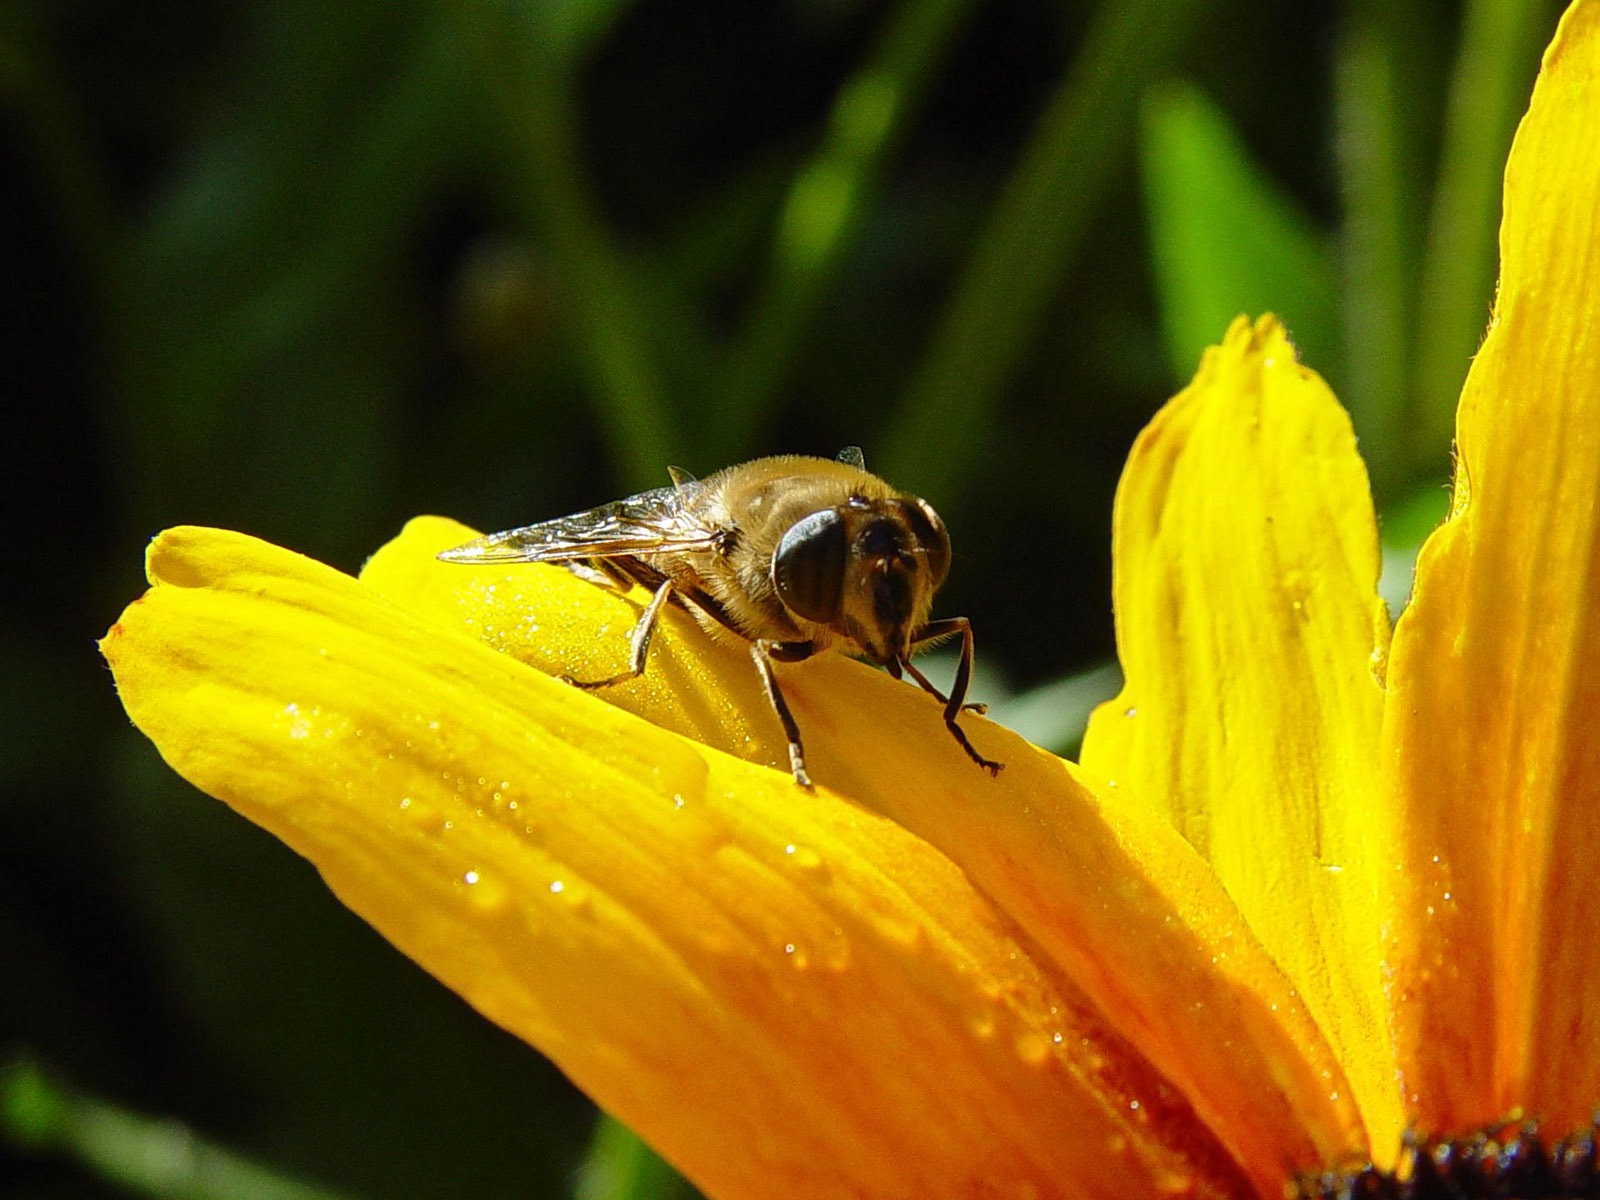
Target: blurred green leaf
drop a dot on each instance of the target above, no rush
(1055, 714)
(1225, 239)
(574, 28)
(1405, 526)
(1417, 514)
(147, 1156)
(621, 1167)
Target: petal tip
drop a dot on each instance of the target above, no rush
(175, 555)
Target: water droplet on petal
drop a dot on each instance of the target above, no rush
(803, 857)
(1033, 1047)
(982, 1024)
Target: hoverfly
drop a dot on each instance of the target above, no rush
(795, 555)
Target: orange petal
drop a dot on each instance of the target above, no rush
(1492, 731)
(1101, 885)
(1249, 628)
(784, 993)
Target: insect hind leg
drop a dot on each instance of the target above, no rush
(638, 643)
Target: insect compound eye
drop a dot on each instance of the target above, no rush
(808, 566)
(931, 536)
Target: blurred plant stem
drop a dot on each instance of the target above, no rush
(146, 1156)
(822, 212)
(530, 60)
(1021, 256)
(1376, 147)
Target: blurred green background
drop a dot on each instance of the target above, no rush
(307, 269)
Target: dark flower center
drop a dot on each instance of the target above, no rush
(1505, 1162)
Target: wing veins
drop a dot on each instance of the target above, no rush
(652, 522)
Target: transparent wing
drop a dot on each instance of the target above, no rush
(651, 522)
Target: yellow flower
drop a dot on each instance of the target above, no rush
(1311, 883)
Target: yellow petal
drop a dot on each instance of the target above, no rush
(1103, 886)
(786, 994)
(1249, 627)
(549, 618)
(1493, 726)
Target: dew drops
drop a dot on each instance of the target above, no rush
(486, 894)
(802, 857)
(901, 931)
(299, 726)
(836, 952)
(1033, 1047)
(557, 887)
(1174, 1183)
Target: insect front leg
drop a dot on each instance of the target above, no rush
(638, 643)
(954, 704)
(897, 665)
(764, 652)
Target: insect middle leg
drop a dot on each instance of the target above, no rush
(638, 643)
(955, 702)
(764, 652)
